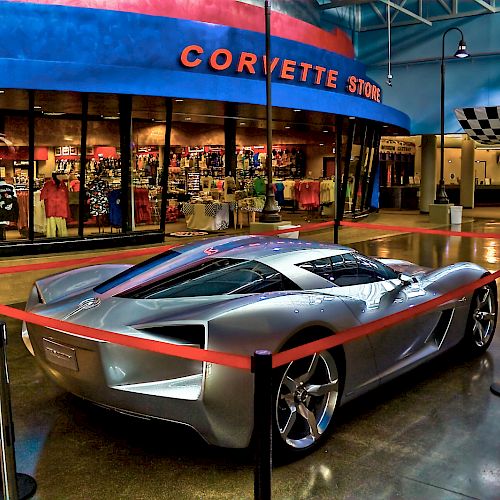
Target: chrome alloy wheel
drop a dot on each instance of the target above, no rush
(306, 399)
(483, 316)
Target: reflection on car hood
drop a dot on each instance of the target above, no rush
(405, 267)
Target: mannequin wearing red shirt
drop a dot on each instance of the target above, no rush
(55, 196)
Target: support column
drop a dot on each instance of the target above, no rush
(83, 163)
(125, 106)
(467, 181)
(230, 145)
(428, 172)
(166, 162)
(31, 165)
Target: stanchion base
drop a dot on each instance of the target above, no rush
(26, 486)
(495, 388)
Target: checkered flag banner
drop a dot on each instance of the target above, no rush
(481, 124)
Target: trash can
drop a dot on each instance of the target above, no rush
(456, 214)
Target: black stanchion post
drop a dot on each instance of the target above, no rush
(495, 388)
(14, 486)
(9, 481)
(263, 422)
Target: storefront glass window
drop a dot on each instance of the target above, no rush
(14, 165)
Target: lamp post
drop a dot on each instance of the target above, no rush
(461, 52)
(270, 212)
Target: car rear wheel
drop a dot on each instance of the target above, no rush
(482, 320)
(307, 394)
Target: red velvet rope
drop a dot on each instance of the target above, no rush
(241, 361)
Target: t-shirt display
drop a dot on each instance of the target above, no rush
(98, 193)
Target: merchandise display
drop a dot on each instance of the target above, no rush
(219, 287)
(9, 208)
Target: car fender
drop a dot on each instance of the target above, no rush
(75, 281)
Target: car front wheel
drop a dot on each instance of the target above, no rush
(482, 320)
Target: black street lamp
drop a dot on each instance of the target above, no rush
(461, 52)
(270, 212)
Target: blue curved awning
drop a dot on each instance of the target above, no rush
(51, 47)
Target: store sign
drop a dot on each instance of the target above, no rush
(249, 63)
(363, 88)
(398, 147)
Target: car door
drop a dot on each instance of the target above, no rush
(399, 347)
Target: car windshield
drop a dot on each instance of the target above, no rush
(216, 276)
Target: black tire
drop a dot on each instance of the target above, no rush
(482, 320)
(306, 396)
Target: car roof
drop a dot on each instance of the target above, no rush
(266, 249)
(279, 253)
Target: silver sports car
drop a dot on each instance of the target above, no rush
(237, 295)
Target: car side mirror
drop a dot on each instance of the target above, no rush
(405, 279)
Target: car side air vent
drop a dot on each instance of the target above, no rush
(439, 333)
(184, 334)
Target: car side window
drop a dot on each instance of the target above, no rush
(349, 269)
(346, 270)
(373, 270)
(218, 277)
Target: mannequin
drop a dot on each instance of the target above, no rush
(55, 196)
(9, 209)
(229, 188)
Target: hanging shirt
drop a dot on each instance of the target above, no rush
(98, 194)
(115, 208)
(279, 193)
(56, 199)
(259, 185)
(9, 209)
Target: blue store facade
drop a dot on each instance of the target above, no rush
(118, 95)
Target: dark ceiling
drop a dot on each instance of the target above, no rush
(64, 105)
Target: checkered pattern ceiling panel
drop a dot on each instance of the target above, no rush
(481, 124)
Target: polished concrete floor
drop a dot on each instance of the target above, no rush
(432, 434)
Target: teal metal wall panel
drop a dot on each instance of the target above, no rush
(416, 54)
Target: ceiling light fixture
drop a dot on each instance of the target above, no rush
(297, 110)
(179, 100)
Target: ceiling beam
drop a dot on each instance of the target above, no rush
(486, 5)
(445, 6)
(408, 12)
(377, 11)
(401, 4)
(342, 3)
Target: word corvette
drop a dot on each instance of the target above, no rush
(250, 63)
